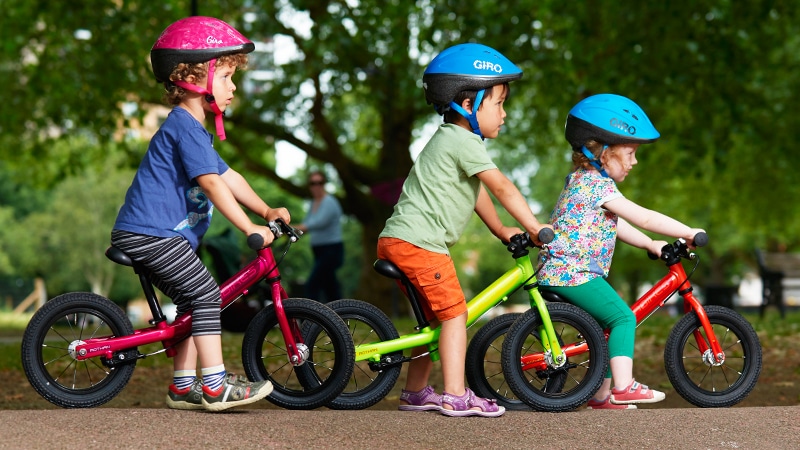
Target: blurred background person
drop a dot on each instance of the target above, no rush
(324, 224)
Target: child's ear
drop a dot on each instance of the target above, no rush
(467, 105)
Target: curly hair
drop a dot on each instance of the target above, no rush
(579, 160)
(175, 94)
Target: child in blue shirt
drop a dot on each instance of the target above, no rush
(168, 207)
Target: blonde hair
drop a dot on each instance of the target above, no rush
(174, 94)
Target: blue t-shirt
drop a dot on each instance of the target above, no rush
(164, 199)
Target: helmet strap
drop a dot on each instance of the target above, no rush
(471, 118)
(595, 161)
(209, 96)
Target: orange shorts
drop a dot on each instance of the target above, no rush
(433, 274)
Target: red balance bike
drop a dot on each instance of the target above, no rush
(712, 356)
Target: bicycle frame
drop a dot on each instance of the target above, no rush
(522, 274)
(264, 266)
(675, 280)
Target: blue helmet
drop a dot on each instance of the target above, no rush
(608, 119)
(465, 67)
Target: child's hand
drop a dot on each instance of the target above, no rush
(264, 232)
(534, 234)
(655, 247)
(278, 213)
(690, 238)
(506, 233)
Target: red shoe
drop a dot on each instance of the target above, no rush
(606, 404)
(635, 393)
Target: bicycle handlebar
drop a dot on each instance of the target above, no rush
(278, 228)
(546, 235)
(700, 239)
(680, 249)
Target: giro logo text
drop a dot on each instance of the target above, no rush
(486, 65)
(630, 129)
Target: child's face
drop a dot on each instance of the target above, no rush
(620, 160)
(223, 85)
(491, 112)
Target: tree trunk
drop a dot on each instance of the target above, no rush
(375, 288)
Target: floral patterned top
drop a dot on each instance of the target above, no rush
(585, 232)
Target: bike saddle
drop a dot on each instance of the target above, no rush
(388, 269)
(118, 256)
(553, 297)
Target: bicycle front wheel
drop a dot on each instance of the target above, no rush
(543, 385)
(330, 354)
(696, 376)
(49, 360)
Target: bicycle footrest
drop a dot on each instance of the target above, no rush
(387, 362)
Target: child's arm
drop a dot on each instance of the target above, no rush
(485, 209)
(512, 200)
(632, 236)
(247, 197)
(649, 220)
(224, 201)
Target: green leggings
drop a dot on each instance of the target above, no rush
(602, 302)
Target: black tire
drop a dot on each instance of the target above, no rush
(484, 366)
(556, 389)
(331, 353)
(53, 372)
(367, 323)
(691, 373)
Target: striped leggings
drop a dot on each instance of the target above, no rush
(177, 271)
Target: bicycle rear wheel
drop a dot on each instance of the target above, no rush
(484, 366)
(366, 387)
(48, 357)
(546, 387)
(696, 377)
(331, 354)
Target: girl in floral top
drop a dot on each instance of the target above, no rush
(605, 131)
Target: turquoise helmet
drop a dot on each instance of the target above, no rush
(608, 119)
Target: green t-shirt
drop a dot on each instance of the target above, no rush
(441, 190)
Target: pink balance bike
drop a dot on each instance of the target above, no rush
(80, 349)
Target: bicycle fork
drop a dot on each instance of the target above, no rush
(554, 355)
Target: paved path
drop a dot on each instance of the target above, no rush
(685, 429)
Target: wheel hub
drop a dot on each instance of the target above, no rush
(304, 352)
(710, 360)
(73, 346)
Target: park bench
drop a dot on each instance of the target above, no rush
(779, 272)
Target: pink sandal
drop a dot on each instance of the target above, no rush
(606, 404)
(425, 400)
(635, 393)
(462, 406)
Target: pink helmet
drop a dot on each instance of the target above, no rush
(197, 39)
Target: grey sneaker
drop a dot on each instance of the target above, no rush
(188, 399)
(235, 391)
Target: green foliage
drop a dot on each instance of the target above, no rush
(715, 76)
(65, 240)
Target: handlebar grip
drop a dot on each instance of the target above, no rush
(255, 241)
(700, 239)
(546, 235)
